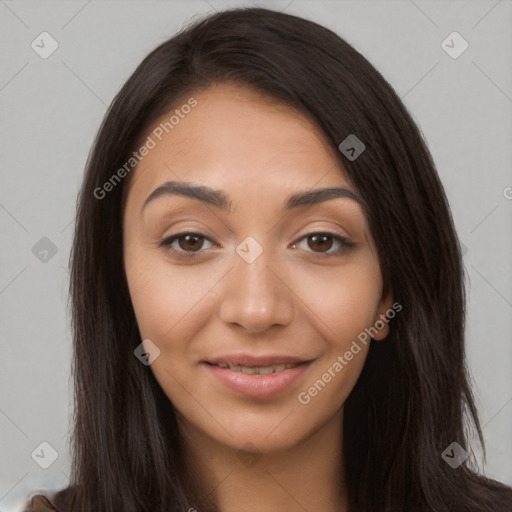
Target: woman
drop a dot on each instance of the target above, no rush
(268, 294)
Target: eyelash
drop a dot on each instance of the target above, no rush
(344, 244)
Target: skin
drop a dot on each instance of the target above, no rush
(293, 299)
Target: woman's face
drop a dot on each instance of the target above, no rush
(238, 271)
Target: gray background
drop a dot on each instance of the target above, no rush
(51, 109)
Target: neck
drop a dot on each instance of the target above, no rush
(309, 476)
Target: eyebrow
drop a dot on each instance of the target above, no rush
(220, 200)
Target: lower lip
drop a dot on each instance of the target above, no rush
(258, 386)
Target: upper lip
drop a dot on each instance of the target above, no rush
(250, 360)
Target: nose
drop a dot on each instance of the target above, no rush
(256, 297)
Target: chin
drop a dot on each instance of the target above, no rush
(264, 432)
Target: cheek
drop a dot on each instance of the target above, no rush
(341, 302)
(170, 302)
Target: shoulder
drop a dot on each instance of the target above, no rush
(41, 502)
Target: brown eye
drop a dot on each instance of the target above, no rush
(186, 243)
(324, 244)
(320, 242)
(190, 242)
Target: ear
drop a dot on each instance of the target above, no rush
(380, 317)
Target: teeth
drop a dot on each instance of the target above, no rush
(260, 370)
(248, 370)
(267, 370)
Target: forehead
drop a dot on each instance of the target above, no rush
(239, 139)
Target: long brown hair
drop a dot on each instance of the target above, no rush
(412, 399)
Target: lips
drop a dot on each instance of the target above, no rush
(251, 361)
(257, 370)
(257, 376)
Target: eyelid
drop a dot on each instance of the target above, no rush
(344, 242)
(166, 243)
